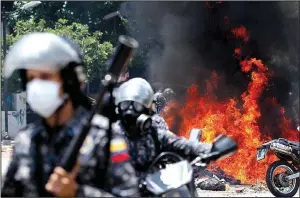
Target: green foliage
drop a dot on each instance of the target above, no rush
(81, 21)
(96, 52)
(90, 13)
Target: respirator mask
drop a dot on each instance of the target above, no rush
(135, 121)
(43, 96)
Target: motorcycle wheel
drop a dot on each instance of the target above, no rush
(271, 183)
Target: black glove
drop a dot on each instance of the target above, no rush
(143, 188)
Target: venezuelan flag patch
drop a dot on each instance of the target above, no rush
(119, 150)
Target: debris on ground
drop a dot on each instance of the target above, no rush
(212, 184)
(218, 173)
(201, 179)
(259, 187)
(215, 179)
(255, 188)
(240, 190)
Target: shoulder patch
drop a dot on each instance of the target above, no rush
(87, 145)
(119, 150)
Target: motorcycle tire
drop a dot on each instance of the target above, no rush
(269, 174)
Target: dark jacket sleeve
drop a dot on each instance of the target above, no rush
(180, 145)
(159, 122)
(123, 177)
(11, 186)
(90, 191)
(121, 180)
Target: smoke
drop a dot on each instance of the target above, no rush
(186, 41)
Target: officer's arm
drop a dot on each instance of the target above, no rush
(122, 180)
(180, 145)
(11, 186)
(159, 122)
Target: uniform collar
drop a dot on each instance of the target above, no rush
(76, 121)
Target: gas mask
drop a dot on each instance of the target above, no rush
(133, 118)
(43, 96)
(144, 123)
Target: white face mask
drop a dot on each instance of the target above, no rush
(43, 96)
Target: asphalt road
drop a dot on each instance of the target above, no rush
(233, 193)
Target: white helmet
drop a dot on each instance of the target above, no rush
(137, 90)
(40, 51)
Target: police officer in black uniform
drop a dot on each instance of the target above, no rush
(159, 102)
(134, 99)
(168, 94)
(50, 69)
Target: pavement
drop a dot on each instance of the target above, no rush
(232, 194)
(232, 191)
(235, 191)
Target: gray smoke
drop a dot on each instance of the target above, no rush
(167, 31)
(186, 41)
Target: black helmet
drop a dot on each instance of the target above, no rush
(168, 93)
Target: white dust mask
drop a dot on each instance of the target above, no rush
(43, 96)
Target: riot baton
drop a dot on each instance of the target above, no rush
(120, 59)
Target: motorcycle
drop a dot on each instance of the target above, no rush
(175, 177)
(284, 183)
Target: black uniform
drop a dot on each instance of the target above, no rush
(38, 151)
(160, 102)
(159, 122)
(145, 149)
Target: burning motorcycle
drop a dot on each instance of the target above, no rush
(282, 176)
(175, 177)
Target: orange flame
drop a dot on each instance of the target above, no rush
(227, 117)
(241, 32)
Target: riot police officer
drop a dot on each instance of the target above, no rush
(133, 100)
(168, 94)
(51, 72)
(159, 102)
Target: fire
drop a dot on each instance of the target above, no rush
(216, 117)
(241, 32)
